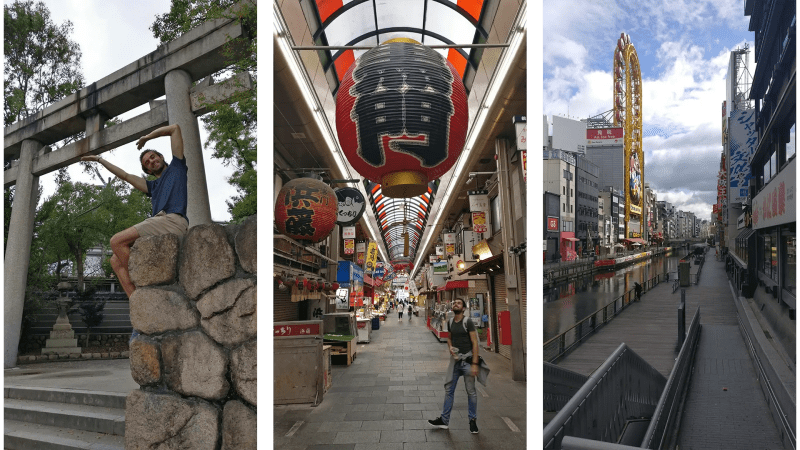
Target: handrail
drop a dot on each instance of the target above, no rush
(589, 415)
(558, 345)
(664, 416)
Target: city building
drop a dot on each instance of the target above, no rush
(773, 195)
(586, 212)
(559, 178)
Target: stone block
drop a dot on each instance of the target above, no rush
(228, 312)
(244, 371)
(154, 260)
(145, 361)
(247, 244)
(207, 258)
(74, 356)
(238, 427)
(126, 354)
(114, 354)
(86, 355)
(157, 310)
(168, 422)
(195, 365)
(96, 355)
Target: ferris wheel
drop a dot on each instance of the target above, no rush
(628, 115)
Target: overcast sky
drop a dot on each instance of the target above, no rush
(113, 34)
(683, 48)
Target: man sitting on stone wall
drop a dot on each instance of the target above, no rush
(168, 194)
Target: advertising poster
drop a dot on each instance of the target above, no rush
(348, 232)
(552, 224)
(440, 267)
(743, 139)
(479, 222)
(482, 250)
(349, 246)
(449, 243)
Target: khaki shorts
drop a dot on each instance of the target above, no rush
(163, 223)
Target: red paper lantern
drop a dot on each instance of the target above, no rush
(335, 285)
(402, 116)
(306, 210)
(301, 283)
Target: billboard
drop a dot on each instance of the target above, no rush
(600, 136)
(775, 204)
(569, 135)
(743, 139)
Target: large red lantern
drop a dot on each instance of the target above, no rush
(401, 116)
(306, 210)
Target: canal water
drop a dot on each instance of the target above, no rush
(568, 302)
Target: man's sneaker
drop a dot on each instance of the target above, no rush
(473, 427)
(438, 422)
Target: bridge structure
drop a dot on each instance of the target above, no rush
(171, 70)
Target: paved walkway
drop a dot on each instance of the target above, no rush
(713, 418)
(725, 407)
(385, 398)
(90, 375)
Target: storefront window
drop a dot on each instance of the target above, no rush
(790, 250)
(791, 145)
(497, 223)
(770, 249)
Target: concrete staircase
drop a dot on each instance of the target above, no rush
(63, 419)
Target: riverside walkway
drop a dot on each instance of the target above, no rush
(396, 383)
(724, 407)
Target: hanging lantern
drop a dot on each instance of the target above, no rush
(335, 286)
(401, 116)
(306, 210)
(301, 283)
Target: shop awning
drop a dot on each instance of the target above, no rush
(489, 265)
(744, 235)
(570, 239)
(637, 241)
(460, 284)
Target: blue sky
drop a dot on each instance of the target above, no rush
(683, 49)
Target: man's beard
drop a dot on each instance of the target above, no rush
(158, 172)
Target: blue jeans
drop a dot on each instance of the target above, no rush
(461, 368)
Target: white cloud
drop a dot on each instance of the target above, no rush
(112, 35)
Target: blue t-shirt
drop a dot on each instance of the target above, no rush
(168, 192)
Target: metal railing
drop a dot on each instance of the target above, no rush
(664, 417)
(560, 385)
(563, 343)
(624, 385)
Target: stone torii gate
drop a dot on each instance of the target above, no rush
(170, 69)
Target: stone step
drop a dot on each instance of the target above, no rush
(30, 436)
(71, 396)
(77, 417)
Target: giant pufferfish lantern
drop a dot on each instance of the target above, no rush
(402, 116)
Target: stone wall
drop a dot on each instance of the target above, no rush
(195, 359)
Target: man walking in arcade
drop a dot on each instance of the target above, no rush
(463, 344)
(168, 193)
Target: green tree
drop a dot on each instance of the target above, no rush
(79, 216)
(41, 64)
(232, 125)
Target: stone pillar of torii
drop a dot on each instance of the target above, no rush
(169, 70)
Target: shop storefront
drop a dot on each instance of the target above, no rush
(776, 243)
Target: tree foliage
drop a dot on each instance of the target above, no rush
(232, 125)
(79, 216)
(41, 65)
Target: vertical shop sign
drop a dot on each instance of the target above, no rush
(743, 139)
(372, 257)
(348, 232)
(361, 250)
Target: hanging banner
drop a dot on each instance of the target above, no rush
(743, 139)
(449, 243)
(479, 222)
(372, 257)
(525, 166)
(348, 232)
(349, 246)
(351, 205)
(439, 250)
(433, 258)
(521, 129)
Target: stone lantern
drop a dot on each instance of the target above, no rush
(62, 339)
